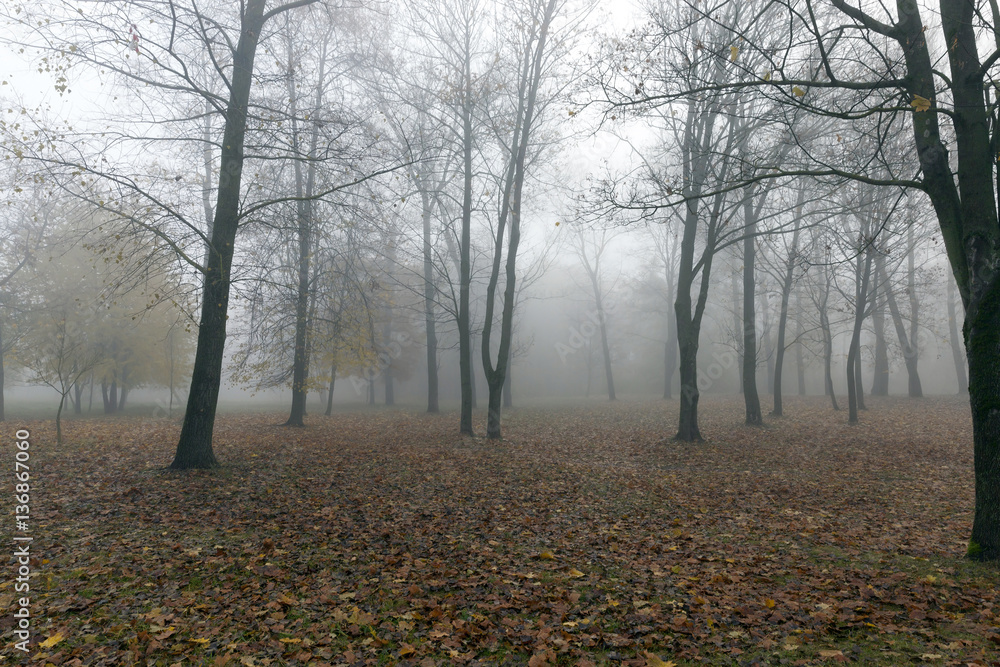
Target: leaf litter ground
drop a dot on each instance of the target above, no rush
(382, 537)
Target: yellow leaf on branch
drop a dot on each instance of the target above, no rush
(920, 103)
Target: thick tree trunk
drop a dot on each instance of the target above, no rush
(957, 353)
(982, 342)
(194, 448)
(122, 398)
(687, 339)
(751, 399)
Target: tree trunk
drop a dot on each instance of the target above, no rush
(113, 398)
(2, 408)
(590, 367)
(751, 399)
(62, 402)
(508, 397)
(304, 186)
(104, 396)
(78, 398)
(768, 351)
(687, 340)
(603, 325)
(824, 323)
(860, 386)
(863, 271)
(880, 383)
(194, 448)
(329, 393)
(957, 354)
(800, 367)
(910, 355)
(472, 375)
(786, 292)
(670, 347)
(430, 323)
(915, 390)
(511, 206)
(738, 340)
(122, 399)
(464, 326)
(387, 342)
(982, 341)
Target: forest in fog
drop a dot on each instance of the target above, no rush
(477, 332)
(467, 202)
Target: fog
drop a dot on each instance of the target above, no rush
(620, 228)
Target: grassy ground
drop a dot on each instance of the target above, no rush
(382, 537)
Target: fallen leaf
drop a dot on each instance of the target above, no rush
(653, 660)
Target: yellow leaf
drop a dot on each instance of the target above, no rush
(547, 555)
(283, 640)
(406, 650)
(798, 91)
(204, 641)
(653, 660)
(920, 103)
(767, 76)
(733, 53)
(575, 573)
(51, 641)
(769, 603)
